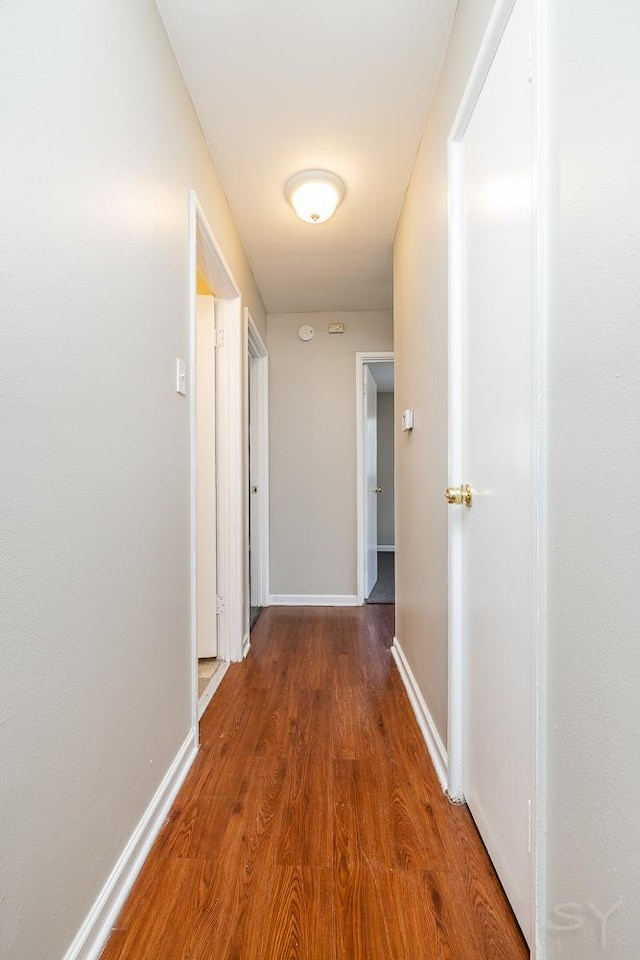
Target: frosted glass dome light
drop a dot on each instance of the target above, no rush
(315, 194)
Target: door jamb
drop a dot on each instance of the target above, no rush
(363, 360)
(204, 253)
(488, 48)
(256, 349)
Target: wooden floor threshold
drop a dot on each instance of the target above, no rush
(312, 825)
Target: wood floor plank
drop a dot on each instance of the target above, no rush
(300, 911)
(159, 929)
(370, 920)
(306, 821)
(363, 802)
(312, 825)
(345, 728)
(422, 925)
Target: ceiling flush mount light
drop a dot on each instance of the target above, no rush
(315, 194)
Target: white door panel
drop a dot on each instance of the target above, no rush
(498, 461)
(206, 492)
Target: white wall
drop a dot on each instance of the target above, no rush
(100, 146)
(420, 340)
(313, 449)
(594, 458)
(386, 526)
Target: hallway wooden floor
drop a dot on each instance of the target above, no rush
(312, 826)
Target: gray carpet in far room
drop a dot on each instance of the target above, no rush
(384, 590)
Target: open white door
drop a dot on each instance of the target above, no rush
(254, 491)
(206, 491)
(258, 470)
(494, 415)
(371, 468)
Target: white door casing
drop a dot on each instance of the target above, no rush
(493, 447)
(206, 490)
(254, 490)
(205, 255)
(371, 454)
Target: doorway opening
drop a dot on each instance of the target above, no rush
(216, 455)
(375, 473)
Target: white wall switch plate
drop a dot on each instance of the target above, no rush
(407, 420)
(181, 377)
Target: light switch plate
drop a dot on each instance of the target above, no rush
(181, 377)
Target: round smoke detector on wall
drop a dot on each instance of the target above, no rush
(306, 333)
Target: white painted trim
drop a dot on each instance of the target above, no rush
(363, 360)
(387, 548)
(486, 54)
(193, 446)
(313, 600)
(257, 350)
(231, 486)
(454, 518)
(540, 47)
(435, 746)
(255, 344)
(207, 694)
(89, 942)
(488, 49)
(246, 498)
(246, 646)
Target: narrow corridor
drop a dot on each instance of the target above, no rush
(311, 824)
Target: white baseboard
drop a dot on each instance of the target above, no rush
(428, 728)
(386, 548)
(205, 699)
(246, 645)
(94, 932)
(313, 600)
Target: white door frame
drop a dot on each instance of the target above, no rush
(486, 54)
(205, 254)
(258, 401)
(363, 360)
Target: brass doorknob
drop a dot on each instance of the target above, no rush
(462, 494)
(379, 490)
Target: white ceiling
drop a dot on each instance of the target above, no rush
(285, 85)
